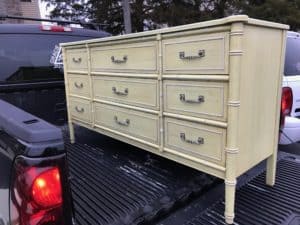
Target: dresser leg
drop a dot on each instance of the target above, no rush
(271, 169)
(229, 201)
(72, 133)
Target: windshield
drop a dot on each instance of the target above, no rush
(27, 57)
(292, 57)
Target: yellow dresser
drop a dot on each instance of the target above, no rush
(206, 95)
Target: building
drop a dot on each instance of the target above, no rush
(26, 8)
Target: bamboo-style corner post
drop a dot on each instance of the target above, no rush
(235, 54)
(272, 160)
(271, 169)
(91, 83)
(70, 124)
(160, 92)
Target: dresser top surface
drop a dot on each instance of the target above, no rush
(206, 24)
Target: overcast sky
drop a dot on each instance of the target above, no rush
(44, 11)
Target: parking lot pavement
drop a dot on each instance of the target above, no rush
(291, 148)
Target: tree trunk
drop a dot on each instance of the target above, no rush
(127, 17)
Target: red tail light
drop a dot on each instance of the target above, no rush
(55, 28)
(36, 194)
(286, 103)
(46, 189)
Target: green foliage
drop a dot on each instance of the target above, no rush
(153, 14)
(69, 9)
(282, 11)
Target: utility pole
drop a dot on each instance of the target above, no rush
(127, 17)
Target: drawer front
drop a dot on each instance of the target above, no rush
(194, 139)
(80, 109)
(79, 85)
(138, 124)
(197, 54)
(77, 59)
(199, 99)
(125, 58)
(138, 92)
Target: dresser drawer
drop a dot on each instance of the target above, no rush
(80, 109)
(137, 92)
(199, 99)
(196, 54)
(139, 57)
(77, 59)
(138, 124)
(194, 139)
(79, 85)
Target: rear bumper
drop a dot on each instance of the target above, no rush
(291, 131)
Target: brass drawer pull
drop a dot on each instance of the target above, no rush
(78, 85)
(119, 61)
(115, 91)
(125, 123)
(199, 100)
(201, 54)
(78, 60)
(200, 140)
(79, 110)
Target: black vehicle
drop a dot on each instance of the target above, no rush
(33, 174)
(45, 180)
(31, 73)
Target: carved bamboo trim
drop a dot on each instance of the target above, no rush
(230, 182)
(91, 85)
(85, 72)
(234, 103)
(134, 75)
(161, 97)
(197, 77)
(236, 52)
(128, 136)
(198, 120)
(233, 119)
(67, 90)
(127, 106)
(198, 160)
(237, 33)
(232, 150)
(79, 96)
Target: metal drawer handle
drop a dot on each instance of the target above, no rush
(78, 60)
(78, 85)
(114, 89)
(118, 61)
(201, 54)
(199, 100)
(125, 123)
(79, 110)
(199, 141)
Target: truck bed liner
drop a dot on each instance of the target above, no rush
(115, 183)
(256, 203)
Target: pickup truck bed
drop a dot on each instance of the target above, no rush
(256, 203)
(115, 183)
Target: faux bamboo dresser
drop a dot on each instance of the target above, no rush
(206, 95)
